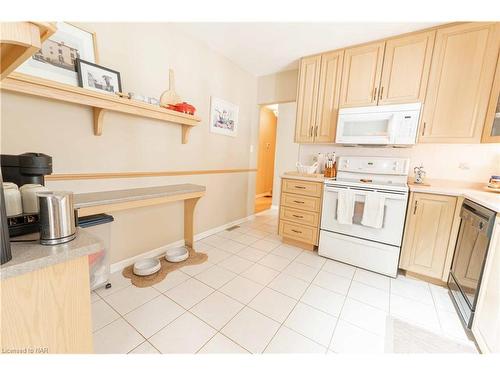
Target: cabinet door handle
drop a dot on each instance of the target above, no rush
(298, 216)
(375, 93)
(423, 128)
(316, 131)
(301, 202)
(296, 231)
(381, 93)
(299, 187)
(311, 131)
(415, 209)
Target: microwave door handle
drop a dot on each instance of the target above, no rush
(392, 129)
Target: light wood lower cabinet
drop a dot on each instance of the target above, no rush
(300, 212)
(428, 236)
(486, 324)
(47, 310)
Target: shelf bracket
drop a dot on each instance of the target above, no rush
(98, 120)
(185, 133)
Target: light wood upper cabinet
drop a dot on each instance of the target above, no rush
(307, 98)
(486, 323)
(405, 72)
(460, 81)
(491, 132)
(328, 97)
(429, 222)
(361, 75)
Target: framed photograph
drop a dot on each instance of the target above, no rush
(98, 78)
(56, 60)
(223, 117)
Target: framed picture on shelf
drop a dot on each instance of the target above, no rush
(56, 60)
(223, 117)
(98, 78)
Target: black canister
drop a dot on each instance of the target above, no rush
(5, 253)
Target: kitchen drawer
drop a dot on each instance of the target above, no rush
(300, 216)
(298, 232)
(301, 202)
(312, 189)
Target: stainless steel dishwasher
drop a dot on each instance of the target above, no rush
(471, 249)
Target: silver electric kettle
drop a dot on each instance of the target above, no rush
(57, 217)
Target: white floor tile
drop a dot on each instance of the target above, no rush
(442, 299)
(257, 232)
(231, 246)
(413, 289)
(273, 236)
(371, 296)
(323, 299)
(154, 315)
(348, 338)
(246, 239)
(275, 262)
(196, 268)
(286, 251)
(252, 254)
(364, 316)
(301, 271)
(102, 315)
(145, 348)
(452, 326)
(414, 312)
(131, 297)
(242, 289)
(311, 258)
(215, 276)
(265, 245)
(186, 334)
(332, 282)
(116, 338)
(217, 309)
(339, 269)
(312, 323)
(273, 304)
(251, 330)
(268, 228)
(373, 279)
(236, 264)
(171, 280)
(214, 240)
(260, 274)
(94, 297)
(288, 341)
(189, 293)
(289, 285)
(117, 281)
(216, 255)
(220, 344)
(202, 246)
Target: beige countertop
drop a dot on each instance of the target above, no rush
(31, 256)
(316, 177)
(120, 196)
(474, 191)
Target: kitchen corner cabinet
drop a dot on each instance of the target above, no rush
(428, 229)
(491, 132)
(486, 323)
(460, 80)
(318, 98)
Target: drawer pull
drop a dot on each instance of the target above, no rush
(296, 231)
(298, 216)
(299, 187)
(300, 202)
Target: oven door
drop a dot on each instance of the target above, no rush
(394, 215)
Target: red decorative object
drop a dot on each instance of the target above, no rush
(182, 107)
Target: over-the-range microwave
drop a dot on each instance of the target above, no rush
(379, 125)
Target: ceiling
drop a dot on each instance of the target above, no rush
(265, 48)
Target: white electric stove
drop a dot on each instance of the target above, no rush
(375, 249)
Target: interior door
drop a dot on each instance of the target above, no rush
(328, 97)
(427, 233)
(405, 73)
(307, 98)
(460, 80)
(267, 147)
(361, 75)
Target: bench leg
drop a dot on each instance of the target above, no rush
(189, 205)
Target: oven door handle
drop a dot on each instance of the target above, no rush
(395, 196)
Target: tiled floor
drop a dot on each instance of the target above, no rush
(257, 295)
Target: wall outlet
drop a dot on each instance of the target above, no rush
(464, 166)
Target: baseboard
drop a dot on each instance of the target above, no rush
(118, 266)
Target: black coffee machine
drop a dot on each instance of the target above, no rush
(28, 168)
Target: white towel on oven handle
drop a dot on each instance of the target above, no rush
(373, 212)
(345, 206)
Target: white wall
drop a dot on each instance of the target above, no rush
(440, 161)
(280, 87)
(286, 151)
(143, 53)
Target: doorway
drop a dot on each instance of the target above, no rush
(268, 121)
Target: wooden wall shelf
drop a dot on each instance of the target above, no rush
(100, 102)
